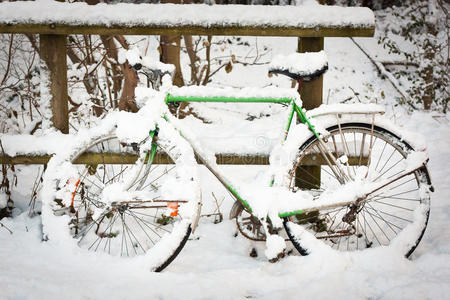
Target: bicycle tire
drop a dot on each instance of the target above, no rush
(388, 209)
(143, 228)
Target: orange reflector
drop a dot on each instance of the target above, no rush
(174, 207)
(74, 192)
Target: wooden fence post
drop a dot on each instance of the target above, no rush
(311, 91)
(53, 53)
(308, 177)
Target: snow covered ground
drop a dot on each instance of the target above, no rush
(216, 265)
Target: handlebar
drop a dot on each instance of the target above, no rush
(153, 75)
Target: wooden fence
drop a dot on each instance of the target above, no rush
(53, 35)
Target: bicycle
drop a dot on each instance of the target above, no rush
(372, 187)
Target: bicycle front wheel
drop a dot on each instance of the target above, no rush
(396, 214)
(115, 206)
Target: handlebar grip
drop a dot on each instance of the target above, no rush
(137, 66)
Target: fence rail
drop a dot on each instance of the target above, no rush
(118, 158)
(63, 29)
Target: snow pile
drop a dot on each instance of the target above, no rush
(339, 108)
(171, 15)
(275, 246)
(302, 64)
(132, 55)
(50, 143)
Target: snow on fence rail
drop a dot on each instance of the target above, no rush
(40, 149)
(125, 158)
(49, 17)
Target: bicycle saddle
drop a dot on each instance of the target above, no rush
(307, 66)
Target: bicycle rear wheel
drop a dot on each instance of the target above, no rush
(112, 205)
(396, 215)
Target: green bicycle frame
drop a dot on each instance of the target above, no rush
(294, 109)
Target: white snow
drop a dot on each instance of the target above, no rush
(170, 15)
(215, 264)
(36, 145)
(303, 64)
(275, 245)
(157, 65)
(3, 200)
(339, 108)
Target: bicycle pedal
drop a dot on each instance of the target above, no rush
(279, 256)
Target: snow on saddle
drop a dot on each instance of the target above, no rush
(308, 65)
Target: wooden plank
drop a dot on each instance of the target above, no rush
(118, 158)
(24, 160)
(53, 54)
(308, 177)
(311, 92)
(63, 29)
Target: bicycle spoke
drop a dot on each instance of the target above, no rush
(148, 224)
(137, 241)
(384, 220)
(373, 233)
(392, 205)
(393, 195)
(124, 236)
(362, 149)
(379, 227)
(401, 159)
(379, 157)
(390, 156)
(116, 176)
(388, 214)
(143, 230)
(108, 241)
(164, 173)
(364, 233)
(310, 183)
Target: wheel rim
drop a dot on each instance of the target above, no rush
(249, 226)
(125, 227)
(382, 216)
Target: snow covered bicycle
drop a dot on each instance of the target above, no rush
(371, 189)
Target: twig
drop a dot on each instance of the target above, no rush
(208, 60)
(9, 59)
(218, 207)
(399, 63)
(388, 75)
(36, 127)
(1, 147)
(1, 225)
(355, 93)
(192, 58)
(212, 214)
(257, 51)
